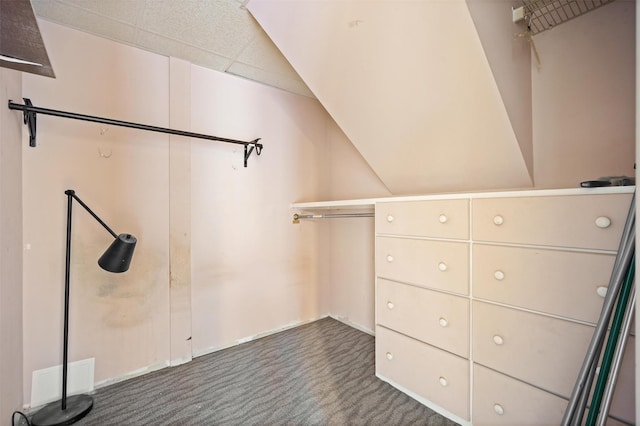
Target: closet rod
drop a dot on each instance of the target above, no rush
(31, 111)
(297, 217)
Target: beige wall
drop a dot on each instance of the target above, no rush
(351, 248)
(11, 253)
(253, 271)
(218, 259)
(583, 98)
(410, 85)
(510, 60)
(122, 174)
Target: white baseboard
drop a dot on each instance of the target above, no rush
(350, 323)
(294, 324)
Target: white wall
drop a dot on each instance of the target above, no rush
(122, 174)
(218, 259)
(11, 251)
(583, 98)
(410, 85)
(253, 271)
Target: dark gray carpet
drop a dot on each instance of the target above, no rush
(320, 373)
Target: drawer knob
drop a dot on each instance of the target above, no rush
(603, 222)
(443, 218)
(390, 305)
(498, 409)
(442, 266)
(602, 291)
(443, 322)
(389, 258)
(498, 340)
(390, 218)
(498, 220)
(443, 381)
(498, 275)
(389, 356)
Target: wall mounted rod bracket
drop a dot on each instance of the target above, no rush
(30, 121)
(31, 111)
(247, 151)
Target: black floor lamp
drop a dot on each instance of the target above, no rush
(116, 259)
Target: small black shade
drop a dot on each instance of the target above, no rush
(118, 256)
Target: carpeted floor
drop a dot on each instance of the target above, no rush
(320, 373)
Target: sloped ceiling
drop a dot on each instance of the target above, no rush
(409, 84)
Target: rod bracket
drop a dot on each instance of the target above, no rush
(29, 118)
(247, 151)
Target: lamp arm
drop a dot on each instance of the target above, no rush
(72, 193)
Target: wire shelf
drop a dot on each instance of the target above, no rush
(542, 15)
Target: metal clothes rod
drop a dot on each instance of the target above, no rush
(31, 111)
(297, 217)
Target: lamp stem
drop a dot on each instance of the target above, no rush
(72, 193)
(65, 344)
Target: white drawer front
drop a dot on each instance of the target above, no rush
(501, 400)
(436, 318)
(544, 351)
(586, 221)
(543, 280)
(440, 218)
(431, 373)
(440, 265)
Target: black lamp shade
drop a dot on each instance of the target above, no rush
(118, 256)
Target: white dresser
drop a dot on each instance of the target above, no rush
(486, 303)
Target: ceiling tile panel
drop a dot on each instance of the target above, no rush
(84, 20)
(294, 85)
(262, 53)
(168, 47)
(217, 34)
(127, 11)
(218, 26)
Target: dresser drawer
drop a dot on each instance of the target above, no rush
(502, 400)
(586, 221)
(546, 352)
(430, 373)
(441, 265)
(440, 218)
(436, 318)
(556, 282)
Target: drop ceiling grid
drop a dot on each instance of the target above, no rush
(217, 34)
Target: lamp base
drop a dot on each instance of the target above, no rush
(52, 414)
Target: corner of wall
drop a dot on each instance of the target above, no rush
(11, 332)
